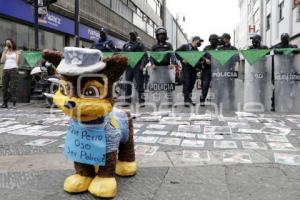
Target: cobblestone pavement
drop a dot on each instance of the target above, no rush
(181, 155)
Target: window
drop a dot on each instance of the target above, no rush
(139, 12)
(281, 6)
(256, 17)
(105, 2)
(268, 22)
(153, 4)
(139, 22)
(131, 6)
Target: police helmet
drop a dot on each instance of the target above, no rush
(285, 35)
(213, 37)
(226, 36)
(160, 30)
(256, 37)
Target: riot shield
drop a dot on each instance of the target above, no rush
(258, 87)
(226, 87)
(161, 84)
(287, 85)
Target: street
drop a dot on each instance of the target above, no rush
(180, 155)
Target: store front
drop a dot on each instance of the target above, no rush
(56, 31)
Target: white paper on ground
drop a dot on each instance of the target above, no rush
(193, 143)
(169, 141)
(40, 142)
(145, 150)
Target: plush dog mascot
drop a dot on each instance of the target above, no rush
(99, 138)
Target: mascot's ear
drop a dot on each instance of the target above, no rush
(53, 57)
(115, 67)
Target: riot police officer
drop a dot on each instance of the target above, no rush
(256, 42)
(225, 41)
(206, 67)
(137, 72)
(170, 60)
(189, 72)
(228, 84)
(162, 44)
(104, 44)
(285, 42)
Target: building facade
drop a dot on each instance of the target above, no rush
(57, 28)
(269, 18)
(176, 35)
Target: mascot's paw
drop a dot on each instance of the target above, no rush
(103, 187)
(126, 168)
(77, 183)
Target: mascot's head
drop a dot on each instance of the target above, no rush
(86, 86)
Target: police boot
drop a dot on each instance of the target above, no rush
(141, 100)
(188, 102)
(202, 102)
(4, 105)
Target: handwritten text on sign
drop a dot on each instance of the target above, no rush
(85, 145)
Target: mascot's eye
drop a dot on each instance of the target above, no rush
(62, 90)
(91, 91)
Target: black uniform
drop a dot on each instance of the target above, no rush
(136, 72)
(206, 73)
(228, 47)
(105, 45)
(189, 73)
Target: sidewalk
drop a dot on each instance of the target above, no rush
(172, 165)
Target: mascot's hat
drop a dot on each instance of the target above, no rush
(79, 61)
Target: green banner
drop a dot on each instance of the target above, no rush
(133, 58)
(254, 55)
(223, 56)
(192, 57)
(32, 57)
(108, 54)
(159, 56)
(286, 51)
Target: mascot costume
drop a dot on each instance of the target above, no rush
(100, 137)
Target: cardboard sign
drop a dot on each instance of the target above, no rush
(85, 144)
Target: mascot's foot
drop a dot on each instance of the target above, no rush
(77, 183)
(126, 168)
(103, 187)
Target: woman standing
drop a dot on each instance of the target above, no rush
(10, 57)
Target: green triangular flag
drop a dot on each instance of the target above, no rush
(223, 56)
(108, 54)
(192, 57)
(32, 57)
(133, 58)
(253, 55)
(286, 51)
(159, 56)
